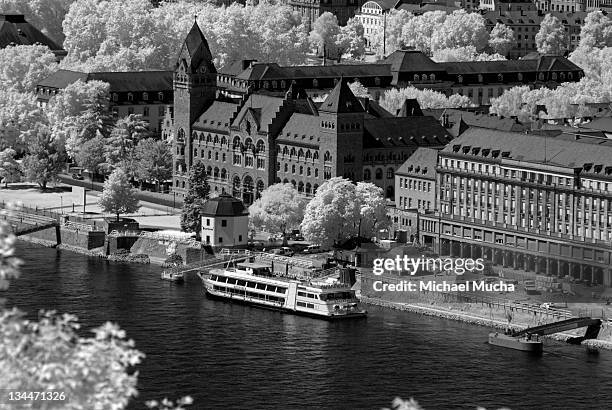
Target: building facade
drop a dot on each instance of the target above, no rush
(147, 93)
(535, 202)
(225, 222)
(260, 139)
(479, 80)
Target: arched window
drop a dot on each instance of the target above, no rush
(181, 135)
(285, 181)
(216, 139)
(301, 187)
(315, 156)
(308, 188)
(248, 144)
(314, 188)
(308, 171)
(301, 170)
(293, 183)
(223, 174)
(308, 155)
(236, 142)
(432, 77)
(209, 170)
(216, 156)
(286, 167)
(300, 154)
(316, 172)
(216, 173)
(379, 173)
(285, 151)
(389, 173)
(223, 141)
(261, 146)
(259, 188)
(293, 169)
(327, 156)
(367, 175)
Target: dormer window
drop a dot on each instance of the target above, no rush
(459, 78)
(315, 83)
(480, 78)
(520, 76)
(416, 77)
(145, 96)
(115, 97)
(500, 77)
(130, 97)
(160, 96)
(377, 81)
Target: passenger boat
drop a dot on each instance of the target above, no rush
(523, 343)
(173, 275)
(254, 284)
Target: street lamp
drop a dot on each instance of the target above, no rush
(62, 204)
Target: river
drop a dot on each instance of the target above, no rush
(237, 357)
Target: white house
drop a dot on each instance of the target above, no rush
(225, 221)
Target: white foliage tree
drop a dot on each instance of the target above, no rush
(392, 34)
(46, 15)
(393, 99)
(417, 32)
(118, 196)
(279, 209)
(9, 167)
(596, 31)
(468, 53)
(350, 39)
(461, 29)
(552, 37)
(19, 112)
(341, 210)
(501, 39)
(24, 66)
(324, 34)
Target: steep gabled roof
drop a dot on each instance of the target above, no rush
(422, 163)
(217, 116)
(14, 29)
(264, 106)
(62, 78)
(196, 50)
(410, 108)
(341, 100)
(410, 60)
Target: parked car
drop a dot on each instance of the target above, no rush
(284, 251)
(548, 305)
(77, 177)
(312, 249)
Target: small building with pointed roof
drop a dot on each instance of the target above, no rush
(225, 221)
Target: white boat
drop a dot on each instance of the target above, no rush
(254, 284)
(173, 275)
(524, 343)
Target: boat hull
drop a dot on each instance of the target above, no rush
(240, 301)
(516, 343)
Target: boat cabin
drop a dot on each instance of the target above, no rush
(257, 269)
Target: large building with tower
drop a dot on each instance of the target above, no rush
(251, 142)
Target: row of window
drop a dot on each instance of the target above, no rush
(378, 174)
(406, 202)
(145, 96)
(300, 186)
(303, 154)
(248, 284)
(253, 295)
(308, 295)
(415, 184)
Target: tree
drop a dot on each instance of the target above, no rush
(596, 31)
(24, 66)
(45, 159)
(395, 20)
(122, 142)
(19, 112)
(153, 161)
(359, 90)
(118, 196)
(350, 40)
(552, 38)
(501, 39)
(461, 29)
(418, 31)
(373, 211)
(279, 209)
(91, 154)
(468, 53)
(9, 167)
(393, 99)
(197, 194)
(325, 31)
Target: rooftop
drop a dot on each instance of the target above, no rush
(134, 81)
(223, 205)
(14, 29)
(421, 163)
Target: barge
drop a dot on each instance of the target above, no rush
(255, 285)
(523, 343)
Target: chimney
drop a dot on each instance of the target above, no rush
(445, 121)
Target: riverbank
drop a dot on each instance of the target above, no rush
(462, 316)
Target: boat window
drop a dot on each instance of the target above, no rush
(310, 305)
(281, 290)
(250, 284)
(271, 288)
(323, 296)
(214, 278)
(241, 282)
(231, 281)
(302, 294)
(261, 286)
(302, 304)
